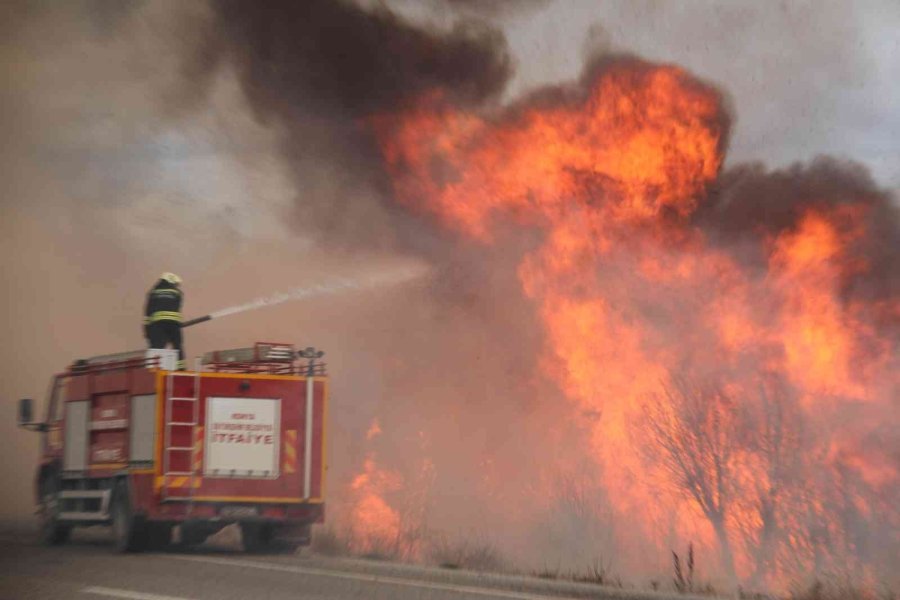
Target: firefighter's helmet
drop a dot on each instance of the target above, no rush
(171, 278)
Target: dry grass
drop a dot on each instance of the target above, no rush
(839, 589)
(546, 573)
(329, 542)
(480, 555)
(684, 580)
(684, 576)
(381, 548)
(597, 573)
(459, 553)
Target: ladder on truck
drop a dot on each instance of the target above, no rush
(178, 483)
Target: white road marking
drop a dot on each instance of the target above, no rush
(445, 587)
(128, 594)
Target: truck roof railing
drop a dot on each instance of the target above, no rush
(273, 358)
(132, 359)
(270, 358)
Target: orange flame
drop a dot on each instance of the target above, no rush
(386, 509)
(629, 291)
(376, 525)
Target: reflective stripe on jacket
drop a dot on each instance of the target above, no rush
(165, 315)
(163, 303)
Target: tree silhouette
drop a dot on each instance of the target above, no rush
(693, 428)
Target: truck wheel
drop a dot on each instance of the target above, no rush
(257, 537)
(262, 538)
(128, 528)
(52, 531)
(193, 534)
(157, 535)
(287, 539)
(285, 547)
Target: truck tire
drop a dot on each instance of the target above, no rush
(193, 534)
(51, 531)
(157, 535)
(288, 538)
(128, 528)
(264, 538)
(255, 537)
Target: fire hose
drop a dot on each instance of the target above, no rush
(190, 322)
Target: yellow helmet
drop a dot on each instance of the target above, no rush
(171, 278)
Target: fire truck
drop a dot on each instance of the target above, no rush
(130, 442)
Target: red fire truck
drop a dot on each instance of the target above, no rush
(128, 441)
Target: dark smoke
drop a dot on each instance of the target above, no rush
(496, 7)
(314, 70)
(753, 203)
(316, 67)
(335, 57)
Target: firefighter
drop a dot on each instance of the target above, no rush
(162, 315)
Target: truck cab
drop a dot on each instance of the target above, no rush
(130, 442)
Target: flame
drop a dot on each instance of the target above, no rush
(641, 143)
(386, 510)
(374, 430)
(819, 337)
(629, 292)
(375, 524)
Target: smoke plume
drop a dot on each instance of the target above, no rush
(753, 202)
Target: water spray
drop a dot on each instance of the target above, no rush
(327, 287)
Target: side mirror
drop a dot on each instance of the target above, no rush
(26, 413)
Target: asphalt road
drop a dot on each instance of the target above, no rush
(87, 568)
